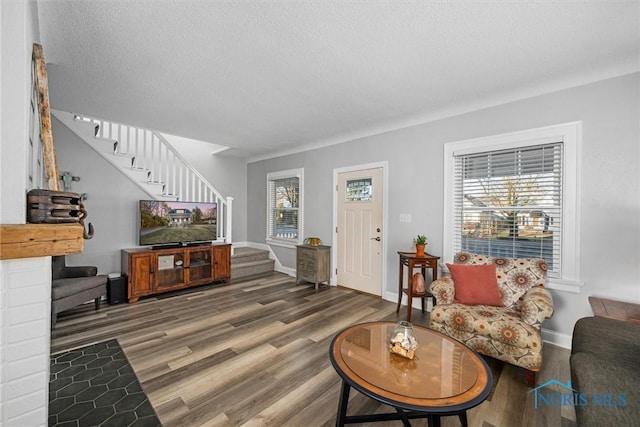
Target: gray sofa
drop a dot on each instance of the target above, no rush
(605, 358)
(72, 286)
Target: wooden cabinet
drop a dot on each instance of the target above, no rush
(313, 264)
(140, 274)
(222, 264)
(154, 271)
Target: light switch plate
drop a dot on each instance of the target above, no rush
(405, 217)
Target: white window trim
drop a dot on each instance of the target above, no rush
(290, 173)
(571, 136)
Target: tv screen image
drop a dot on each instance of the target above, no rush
(167, 222)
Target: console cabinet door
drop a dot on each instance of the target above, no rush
(142, 274)
(201, 265)
(222, 259)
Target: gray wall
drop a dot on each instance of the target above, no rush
(610, 194)
(112, 202)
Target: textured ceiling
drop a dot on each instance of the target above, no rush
(272, 77)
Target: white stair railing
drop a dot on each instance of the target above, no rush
(160, 165)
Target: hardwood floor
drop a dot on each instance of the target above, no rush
(255, 353)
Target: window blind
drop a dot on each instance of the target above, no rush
(508, 203)
(284, 206)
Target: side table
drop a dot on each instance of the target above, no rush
(313, 264)
(412, 261)
(620, 310)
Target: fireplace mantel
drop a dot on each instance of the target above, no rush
(39, 240)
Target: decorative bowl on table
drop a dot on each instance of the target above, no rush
(403, 340)
(312, 241)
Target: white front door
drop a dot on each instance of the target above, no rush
(359, 230)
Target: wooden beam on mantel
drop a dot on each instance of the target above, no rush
(38, 240)
(46, 132)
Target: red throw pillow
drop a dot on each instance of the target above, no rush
(475, 284)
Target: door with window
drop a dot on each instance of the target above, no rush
(359, 230)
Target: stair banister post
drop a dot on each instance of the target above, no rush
(228, 221)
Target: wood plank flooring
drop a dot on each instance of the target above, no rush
(255, 353)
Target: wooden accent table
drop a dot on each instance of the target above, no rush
(620, 310)
(313, 264)
(445, 378)
(412, 261)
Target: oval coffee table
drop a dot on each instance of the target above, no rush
(444, 378)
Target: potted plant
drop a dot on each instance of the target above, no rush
(421, 242)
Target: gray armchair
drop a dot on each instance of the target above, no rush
(72, 286)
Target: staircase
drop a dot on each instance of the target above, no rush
(250, 262)
(150, 162)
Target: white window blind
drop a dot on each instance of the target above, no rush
(284, 207)
(508, 203)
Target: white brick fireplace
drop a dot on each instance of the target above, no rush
(25, 303)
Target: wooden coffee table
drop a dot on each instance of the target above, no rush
(445, 378)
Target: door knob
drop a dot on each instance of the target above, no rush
(377, 239)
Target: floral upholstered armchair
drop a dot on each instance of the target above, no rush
(498, 318)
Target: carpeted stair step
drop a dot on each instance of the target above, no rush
(242, 255)
(247, 262)
(249, 269)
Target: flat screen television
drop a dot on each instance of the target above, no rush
(176, 223)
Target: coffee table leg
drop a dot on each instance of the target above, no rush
(342, 405)
(403, 417)
(463, 419)
(434, 420)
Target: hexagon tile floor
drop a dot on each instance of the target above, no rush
(96, 386)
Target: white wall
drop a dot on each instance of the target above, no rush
(112, 199)
(25, 284)
(610, 195)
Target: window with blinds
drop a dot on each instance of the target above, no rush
(284, 206)
(508, 203)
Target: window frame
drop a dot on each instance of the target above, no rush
(570, 134)
(285, 174)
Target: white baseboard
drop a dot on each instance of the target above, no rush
(286, 270)
(557, 338)
(416, 303)
(390, 296)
